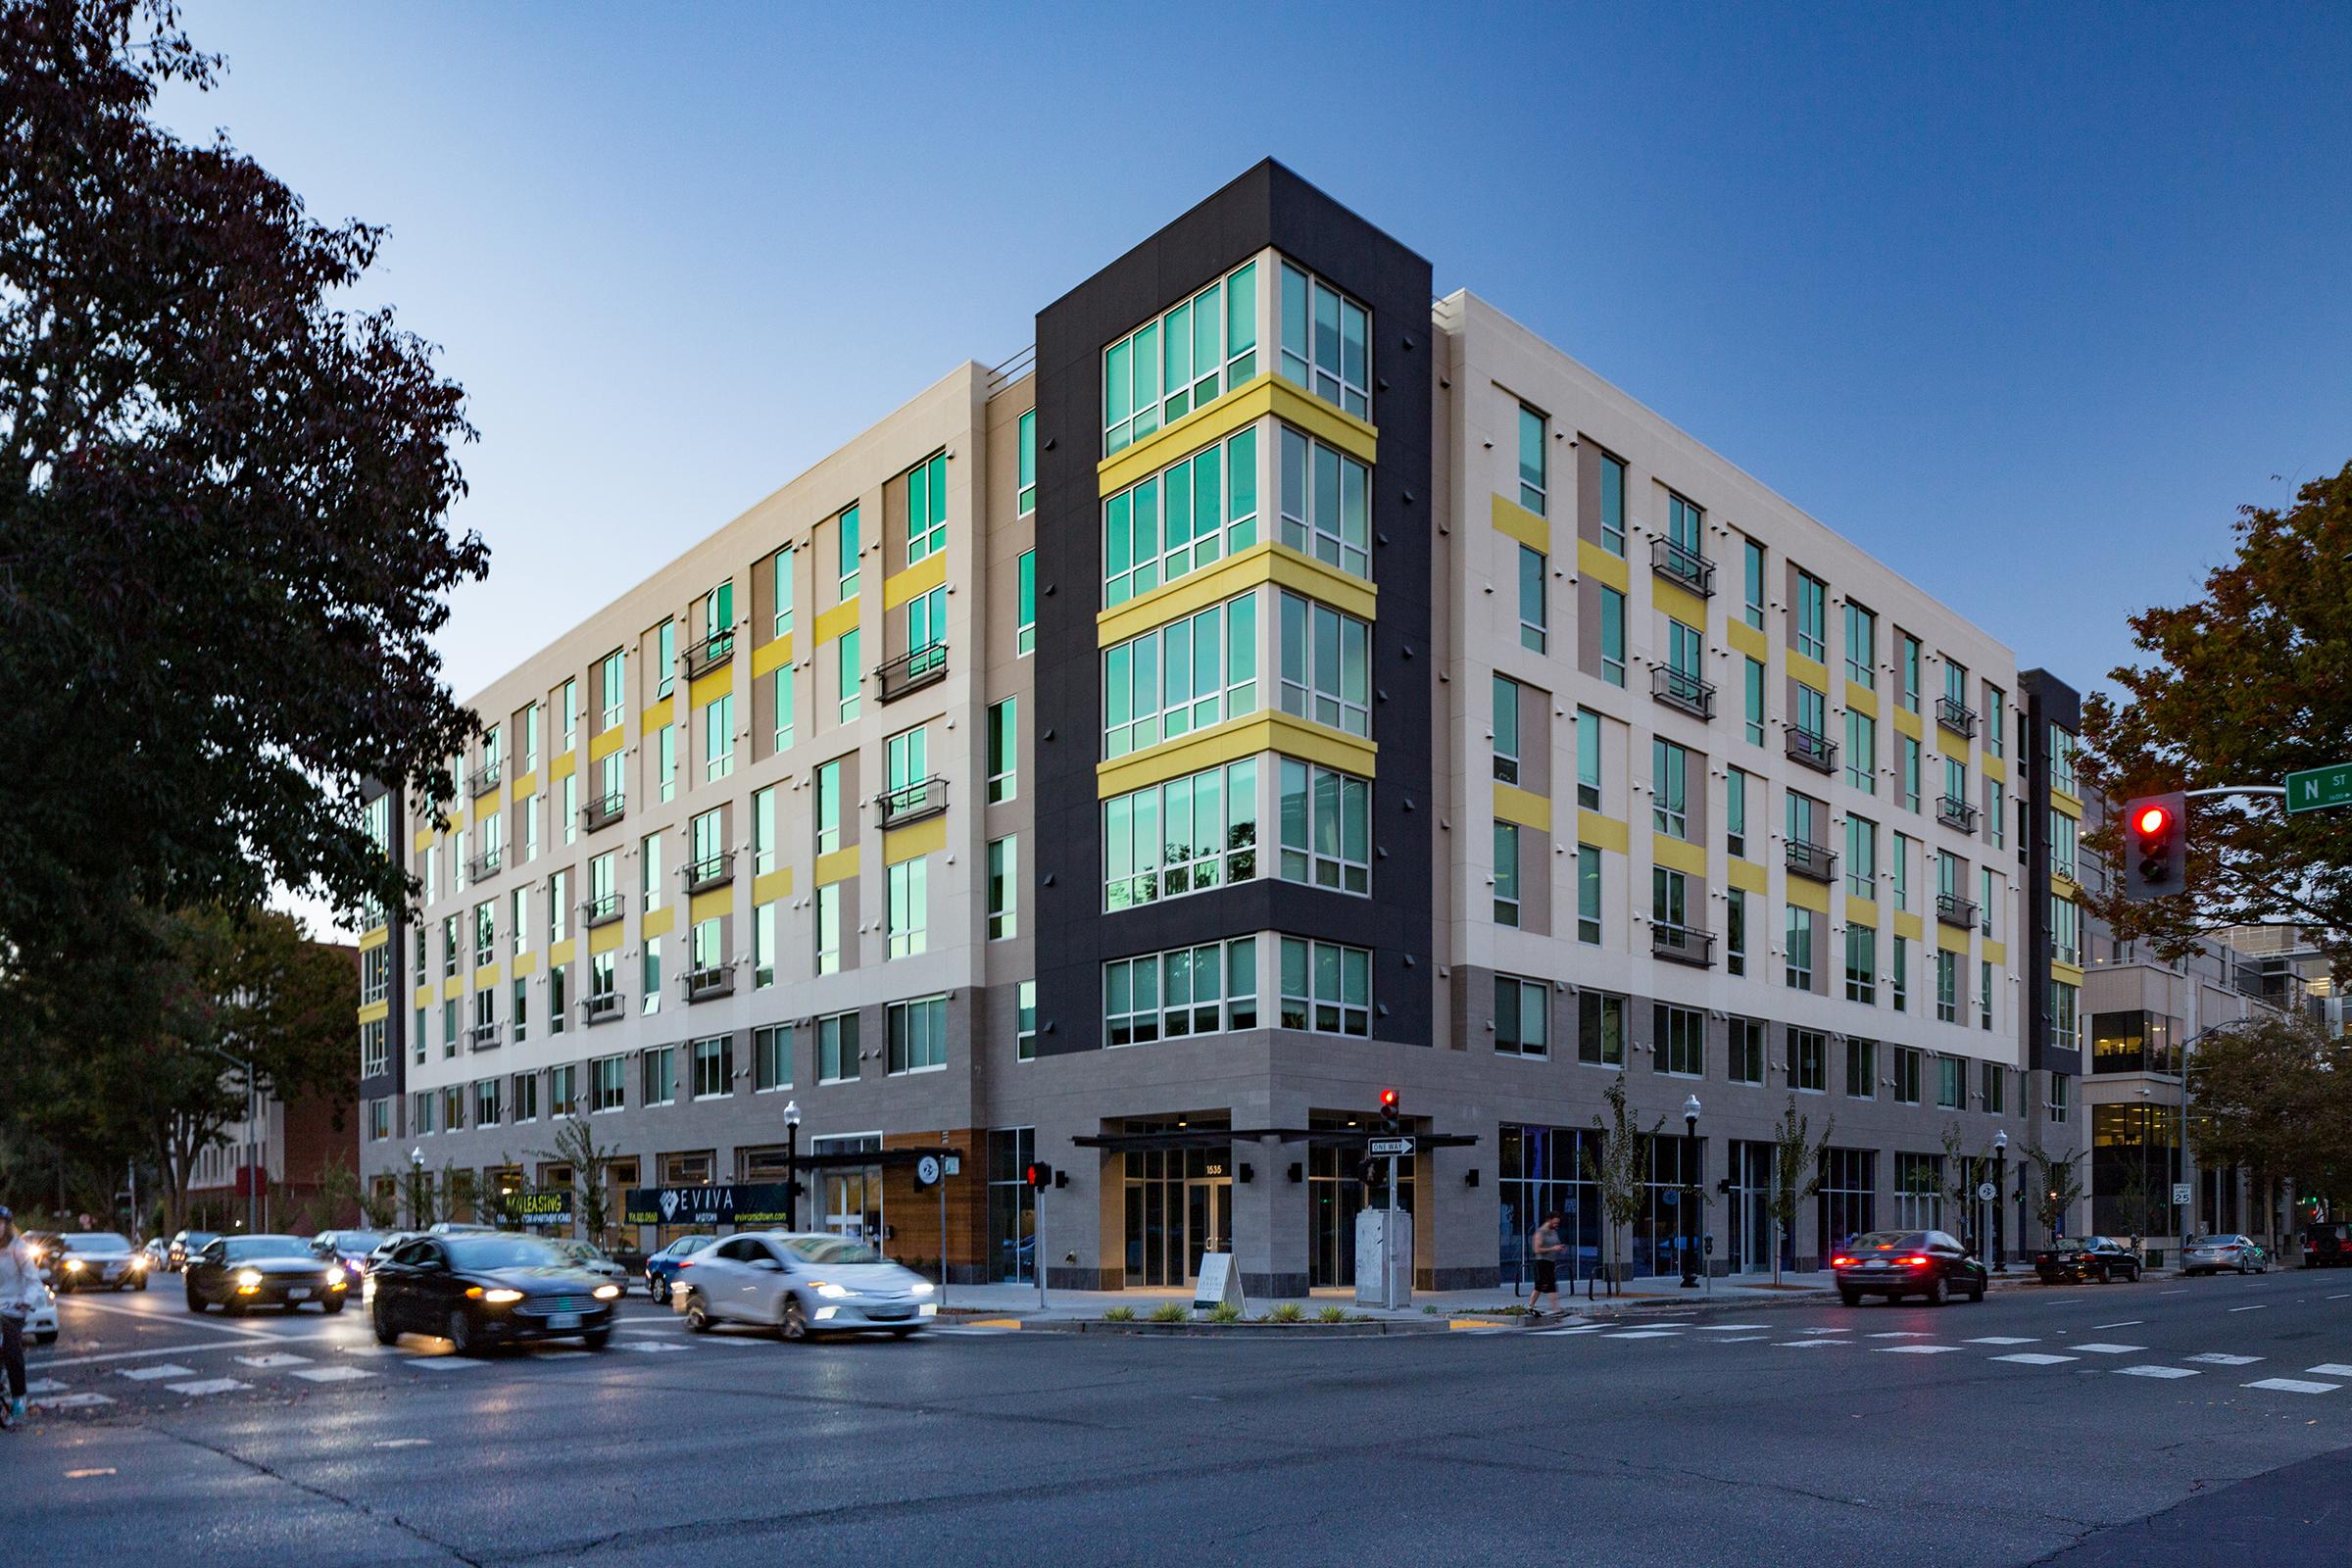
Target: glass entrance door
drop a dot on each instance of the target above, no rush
(1750, 1219)
(1179, 1204)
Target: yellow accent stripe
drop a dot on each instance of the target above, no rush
(1951, 745)
(1230, 742)
(771, 886)
(1523, 807)
(771, 655)
(1253, 567)
(525, 963)
(453, 988)
(1860, 697)
(1746, 875)
(1601, 832)
(1807, 894)
(1996, 954)
(422, 841)
(604, 939)
(1812, 672)
(1748, 639)
(524, 786)
(657, 717)
(425, 997)
(709, 688)
(1511, 519)
(1245, 404)
(656, 922)
(375, 937)
(377, 1012)
(1680, 602)
(2066, 887)
(1908, 926)
(1862, 912)
(916, 580)
(904, 844)
(838, 867)
(833, 622)
(486, 976)
(1907, 722)
(497, 800)
(564, 767)
(2066, 805)
(1950, 938)
(605, 745)
(1676, 856)
(1997, 768)
(559, 953)
(1599, 565)
(715, 904)
(2066, 972)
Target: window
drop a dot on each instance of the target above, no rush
(1861, 964)
(1684, 520)
(780, 589)
(557, 1004)
(1334, 331)
(718, 738)
(1745, 1050)
(376, 975)
(2066, 930)
(1950, 1082)
(1181, 361)
(837, 1047)
(611, 689)
(1809, 1061)
(1003, 751)
(764, 946)
(828, 806)
(1955, 681)
(1804, 925)
(1861, 645)
(650, 866)
(650, 976)
(375, 1051)
(910, 907)
(1988, 896)
(918, 1035)
(1906, 658)
(1735, 931)
(1612, 636)
(2061, 762)
(1326, 504)
(1522, 1017)
(846, 546)
(1812, 714)
(828, 929)
(849, 680)
(572, 807)
(1326, 988)
(1185, 836)
(1003, 888)
(1687, 657)
(1898, 974)
(713, 1067)
(1326, 665)
(1751, 577)
(1599, 1029)
(1947, 986)
(666, 743)
(1612, 505)
(1812, 616)
(449, 945)
(1189, 516)
(927, 508)
(908, 765)
(1861, 857)
(1532, 461)
(1737, 788)
(1326, 826)
(704, 959)
(1532, 615)
(569, 704)
(1024, 1019)
(1995, 701)
(521, 1011)
(608, 1085)
(1587, 893)
(1024, 630)
(1026, 502)
(1205, 989)
(1861, 1068)
(926, 631)
(1984, 994)
(1861, 751)
(771, 1059)
(1588, 760)
(564, 1089)
(1506, 729)
(1996, 824)
(1918, 1189)
(1669, 798)
(1806, 819)
(485, 933)
(1506, 873)
(1996, 1088)
(2061, 1092)
(2063, 844)
(1180, 677)
(1908, 784)
(665, 658)
(523, 1097)
(1752, 688)
(421, 1114)
(1898, 870)
(1682, 1041)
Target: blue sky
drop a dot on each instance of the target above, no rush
(2024, 301)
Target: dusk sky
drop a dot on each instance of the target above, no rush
(2024, 301)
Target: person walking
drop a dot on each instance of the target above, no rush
(1547, 1247)
(20, 1292)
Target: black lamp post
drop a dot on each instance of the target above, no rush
(2000, 1184)
(1692, 1183)
(791, 1161)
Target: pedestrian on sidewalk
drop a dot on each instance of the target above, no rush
(20, 1294)
(1547, 1247)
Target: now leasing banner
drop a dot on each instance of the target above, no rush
(734, 1203)
(538, 1205)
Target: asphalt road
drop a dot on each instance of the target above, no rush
(2171, 1422)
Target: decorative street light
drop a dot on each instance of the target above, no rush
(792, 1161)
(1693, 1185)
(2000, 1184)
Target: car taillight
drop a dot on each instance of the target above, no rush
(1915, 1262)
(1839, 1263)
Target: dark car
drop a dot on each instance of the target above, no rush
(480, 1292)
(2089, 1257)
(347, 1248)
(97, 1261)
(2326, 1246)
(45, 1249)
(236, 1273)
(661, 1269)
(186, 1245)
(1899, 1263)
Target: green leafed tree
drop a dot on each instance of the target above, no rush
(1796, 1174)
(2275, 1098)
(2243, 685)
(1620, 1172)
(2058, 1189)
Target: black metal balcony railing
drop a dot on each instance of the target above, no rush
(483, 867)
(1689, 693)
(713, 871)
(1816, 751)
(910, 672)
(1680, 944)
(602, 1009)
(1955, 716)
(603, 911)
(927, 797)
(1952, 811)
(1812, 860)
(710, 653)
(1953, 910)
(704, 984)
(1681, 564)
(603, 811)
(484, 1036)
(483, 779)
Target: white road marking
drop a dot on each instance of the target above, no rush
(445, 1363)
(2217, 1359)
(1917, 1349)
(209, 1386)
(331, 1374)
(1644, 1334)
(2344, 1297)
(2184, 1291)
(46, 1386)
(2330, 1369)
(2128, 1323)
(2008, 1339)
(1731, 1328)
(2111, 1349)
(2155, 1371)
(1829, 1331)
(1749, 1339)
(1810, 1344)
(2036, 1358)
(275, 1358)
(70, 1402)
(1905, 1334)
(2292, 1386)
(402, 1443)
(672, 1345)
(175, 1321)
(2261, 1306)
(95, 1470)
(148, 1374)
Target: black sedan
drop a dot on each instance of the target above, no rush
(185, 1245)
(2077, 1261)
(236, 1273)
(480, 1292)
(1899, 1263)
(98, 1261)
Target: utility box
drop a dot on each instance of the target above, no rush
(1384, 1257)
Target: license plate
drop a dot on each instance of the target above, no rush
(563, 1320)
(299, 1294)
(1876, 1263)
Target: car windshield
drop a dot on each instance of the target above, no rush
(1890, 1242)
(197, 1239)
(357, 1241)
(96, 1241)
(245, 1248)
(503, 1251)
(579, 1251)
(2209, 1241)
(833, 1250)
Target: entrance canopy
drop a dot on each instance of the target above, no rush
(1220, 1137)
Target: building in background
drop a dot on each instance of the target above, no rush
(1271, 689)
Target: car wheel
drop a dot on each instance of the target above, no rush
(698, 1313)
(1850, 1297)
(794, 1326)
(195, 1301)
(460, 1334)
(1978, 1295)
(332, 1305)
(234, 1306)
(386, 1333)
(142, 1283)
(1934, 1291)
(597, 1339)
(902, 1334)
(45, 1338)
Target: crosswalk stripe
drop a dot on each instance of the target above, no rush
(150, 1374)
(331, 1374)
(1905, 1334)
(275, 1358)
(1809, 1344)
(1644, 1334)
(203, 1386)
(2036, 1358)
(1731, 1328)
(1916, 1349)
(2217, 1359)
(2330, 1369)
(2156, 1371)
(2291, 1386)
(2007, 1339)
(2111, 1349)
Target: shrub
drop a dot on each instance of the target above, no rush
(1169, 1313)
(1332, 1314)
(1226, 1313)
(1288, 1313)
(1119, 1314)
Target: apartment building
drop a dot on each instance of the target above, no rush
(1275, 689)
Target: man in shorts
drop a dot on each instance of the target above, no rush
(1547, 1247)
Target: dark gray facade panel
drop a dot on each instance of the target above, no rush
(2047, 701)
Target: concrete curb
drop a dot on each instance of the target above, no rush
(1321, 1331)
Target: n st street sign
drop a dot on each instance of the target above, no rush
(2315, 789)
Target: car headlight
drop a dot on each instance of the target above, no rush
(334, 1276)
(139, 1261)
(606, 1292)
(923, 1288)
(832, 1293)
(73, 1265)
(502, 1297)
(249, 1278)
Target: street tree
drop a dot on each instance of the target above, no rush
(1795, 1175)
(2273, 1096)
(1620, 1172)
(2059, 1188)
(577, 1147)
(2246, 684)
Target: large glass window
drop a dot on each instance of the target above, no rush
(1682, 1041)
(1181, 361)
(612, 690)
(837, 1047)
(1587, 893)
(1612, 505)
(1506, 729)
(1326, 825)
(772, 1057)
(1861, 751)
(1751, 577)
(1026, 502)
(1184, 836)
(1024, 632)
(1669, 788)
(1506, 873)
(849, 677)
(1188, 516)
(927, 508)
(1211, 989)
(1003, 751)
(1534, 614)
(1326, 665)
(1812, 616)
(1861, 645)
(1183, 676)
(1534, 484)
(1612, 636)
(1803, 926)
(1600, 1028)
(1326, 504)
(1522, 1016)
(1326, 342)
(918, 1035)
(1588, 760)
(847, 540)
(1003, 888)
(909, 916)
(1861, 964)
(1326, 988)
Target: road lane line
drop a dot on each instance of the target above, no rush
(1904, 1334)
(1745, 1339)
(2344, 1297)
(1646, 1334)
(2261, 1306)
(2127, 1323)
(1916, 1349)
(2007, 1339)
(402, 1443)
(2183, 1291)
(1813, 1345)
(1732, 1328)
(2291, 1386)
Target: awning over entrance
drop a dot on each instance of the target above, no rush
(1221, 1137)
(866, 1158)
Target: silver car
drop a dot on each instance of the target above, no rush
(590, 1258)
(2210, 1254)
(800, 1284)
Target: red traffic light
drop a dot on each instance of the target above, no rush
(1387, 1101)
(2150, 820)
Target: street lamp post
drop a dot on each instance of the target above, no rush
(2000, 1183)
(417, 1188)
(791, 1161)
(1692, 1185)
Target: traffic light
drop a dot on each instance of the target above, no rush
(1038, 1175)
(2155, 847)
(1388, 1119)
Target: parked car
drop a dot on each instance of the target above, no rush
(801, 1284)
(392, 1243)
(98, 1261)
(43, 1246)
(2326, 1246)
(2077, 1259)
(480, 1292)
(40, 1324)
(590, 1258)
(347, 1248)
(2210, 1254)
(186, 1245)
(1899, 1263)
(461, 1227)
(661, 1269)
(237, 1273)
(159, 1255)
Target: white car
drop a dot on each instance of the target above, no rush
(588, 1257)
(801, 1284)
(2210, 1254)
(40, 1327)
